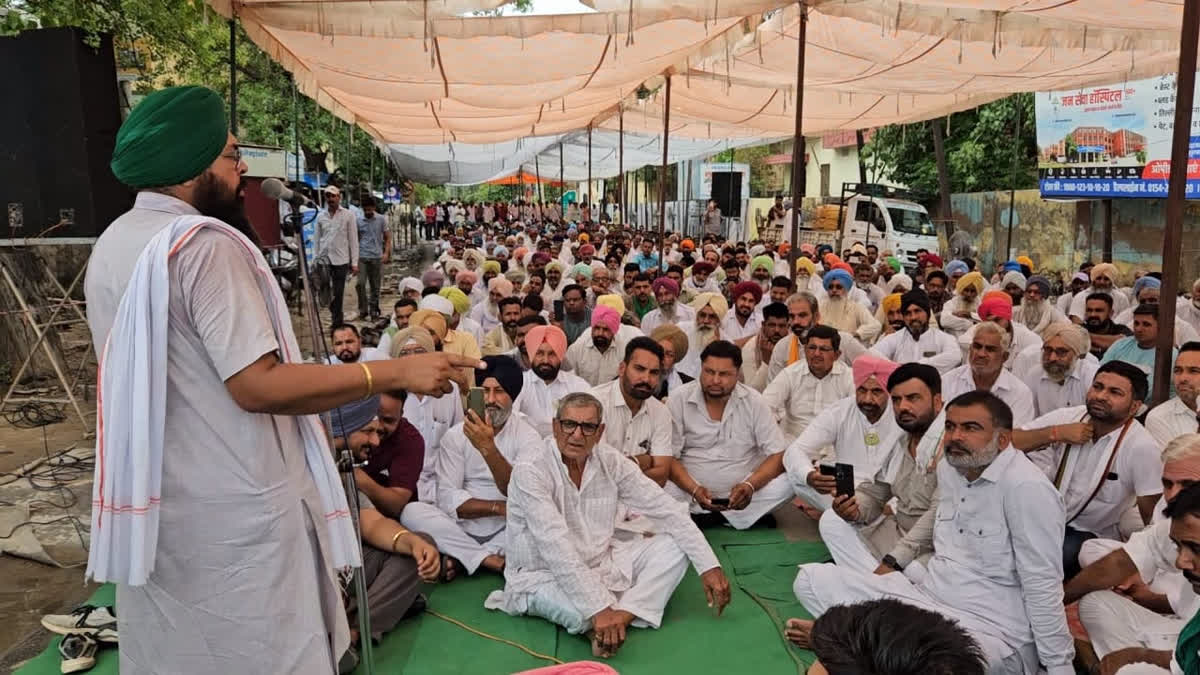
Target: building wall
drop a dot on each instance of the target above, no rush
(841, 158)
(1061, 235)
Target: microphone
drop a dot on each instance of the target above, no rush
(273, 188)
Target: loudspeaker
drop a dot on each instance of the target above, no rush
(57, 132)
(727, 192)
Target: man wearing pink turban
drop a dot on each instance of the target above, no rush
(597, 358)
(744, 321)
(545, 382)
(861, 429)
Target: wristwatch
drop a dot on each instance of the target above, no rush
(891, 562)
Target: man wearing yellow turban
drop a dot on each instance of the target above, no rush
(958, 314)
(1104, 280)
(233, 472)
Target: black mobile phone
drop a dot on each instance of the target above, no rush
(719, 501)
(827, 470)
(475, 401)
(558, 310)
(844, 475)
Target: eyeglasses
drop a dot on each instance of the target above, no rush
(822, 349)
(236, 155)
(587, 428)
(1060, 352)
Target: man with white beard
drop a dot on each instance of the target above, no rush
(956, 317)
(666, 293)
(710, 309)
(1060, 370)
(1003, 587)
(487, 314)
(1104, 280)
(842, 313)
(1036, 311)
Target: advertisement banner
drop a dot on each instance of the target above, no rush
(1111, 141)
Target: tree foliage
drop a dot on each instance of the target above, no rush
(185, 42)
(979, 149)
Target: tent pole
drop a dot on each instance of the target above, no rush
(798, 142)
(537, 172)
(562, 180)
(1012, 191)
(233, 107)
(1185, 87)
(732, 156)
(349, 155)
(589, 183)
(662, 180)
(621, 163)
(1108, 230)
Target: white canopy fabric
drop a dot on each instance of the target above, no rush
(451, 95)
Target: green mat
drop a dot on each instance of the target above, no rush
(748, 637)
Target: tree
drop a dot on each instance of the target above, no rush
(185, 42)
(979, 149)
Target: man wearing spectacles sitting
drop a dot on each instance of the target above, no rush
(564, 562)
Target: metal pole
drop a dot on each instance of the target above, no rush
(296, 140)
(662, 179)
(349, 155)
(1012, 192)
(537, 173)
(798, 142)
(1108, 230)
(562, 179)
(1185, 87)
(732, 156)
(589, 183)
(687, 199)
(233, 109)
(621, 163)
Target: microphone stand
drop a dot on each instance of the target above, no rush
(344, 458)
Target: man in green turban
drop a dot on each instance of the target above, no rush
(218, 517)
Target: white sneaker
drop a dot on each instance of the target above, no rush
(78, 653)
(99, 622)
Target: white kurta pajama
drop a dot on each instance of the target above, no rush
(242, 578)
(463, 474)
(934, 348)
(996, 570)
(538, 401)
(719, 454)
(1049, 395)
(797, 396)
(564, 563)
(1006, 387)
(840, 433)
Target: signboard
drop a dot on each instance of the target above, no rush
(264, 162)
(1111, 141)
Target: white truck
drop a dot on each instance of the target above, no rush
(882, 215)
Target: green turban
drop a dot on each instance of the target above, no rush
(763, 262)
(894, 263)
(171, 137)
(462, 304)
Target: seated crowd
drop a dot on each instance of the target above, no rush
(983, 458)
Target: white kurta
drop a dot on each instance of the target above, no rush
(851, 317)
(463, 474)
(1010, 390)
(1171, 420)
(733, 329)
(753, 372)
(1138, 469)
(236, 491)
(933, 348)
(997, 568)
(539, 400)
(589, 363)
(780, 356)
(646, 432)
(1049, 395)
(655, 318)
(1022, 339)
(841, 433)
(796, 396)
(721, 453)
(1079, 302)
(432, 417)
(563, 560)
(957, 325)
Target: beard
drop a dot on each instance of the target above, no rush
(546, 371)
(497, 415)
(214, 200)
(1056, 371)
(602, 343)
(641, 391)
(1103, 412)
(1032, 312)
(764, 284)
(348, 356)
(914, 424)
(706, 335)
(962, 458)
(897, 325)
(1093, 322)
(916, 327)
(870, 410)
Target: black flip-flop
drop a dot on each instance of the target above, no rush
(451, 568)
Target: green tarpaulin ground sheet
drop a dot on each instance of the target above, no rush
(747, 638)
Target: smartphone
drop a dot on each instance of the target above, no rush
(827, 470)
(558, 310)
(844, 475)
(475, 401)
(719, 501)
